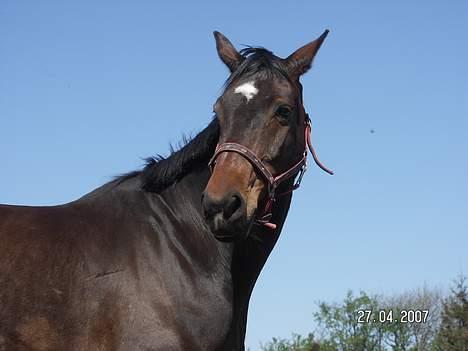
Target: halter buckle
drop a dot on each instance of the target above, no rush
(298, 181)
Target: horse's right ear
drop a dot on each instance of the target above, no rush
(227, 52)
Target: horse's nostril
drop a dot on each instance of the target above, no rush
(225, 208)
(231, 206)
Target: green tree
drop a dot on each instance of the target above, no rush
(340, 325)
(417, 336)
(296, 343)
(339, 328)
(453, 332)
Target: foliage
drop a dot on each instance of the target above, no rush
(296, 343)
(453, 333)
(339, 330)
(340, 327)
(412, 336)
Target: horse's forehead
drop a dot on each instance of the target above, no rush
(263, 87)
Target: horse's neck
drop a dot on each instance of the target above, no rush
(250, 255)
(247, 257)
(248, 261)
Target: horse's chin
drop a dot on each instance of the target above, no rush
(226, 238)
(233, 232)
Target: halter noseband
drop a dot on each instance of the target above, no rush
(272, 181)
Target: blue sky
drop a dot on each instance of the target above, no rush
(88, 88)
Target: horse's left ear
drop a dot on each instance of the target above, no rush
(300, 61)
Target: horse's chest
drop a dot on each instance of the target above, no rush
(169, 294)
(179, 315)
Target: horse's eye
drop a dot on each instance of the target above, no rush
(283, 111)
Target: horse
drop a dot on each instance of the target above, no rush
(166, 257)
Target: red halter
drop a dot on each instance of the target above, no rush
(272, 181)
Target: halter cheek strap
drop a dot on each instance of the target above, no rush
(272, 181)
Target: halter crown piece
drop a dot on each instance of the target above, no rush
(273, 181)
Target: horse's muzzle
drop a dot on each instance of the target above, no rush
(226, 216)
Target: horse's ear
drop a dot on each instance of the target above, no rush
(227, 52)
(300, 61)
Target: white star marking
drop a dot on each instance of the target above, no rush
(247, 89)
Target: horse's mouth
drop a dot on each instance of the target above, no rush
(226, 231)
(225, 238)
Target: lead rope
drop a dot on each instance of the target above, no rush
(311, 148)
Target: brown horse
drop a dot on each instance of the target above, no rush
(165, 258)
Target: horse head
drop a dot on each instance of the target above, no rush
(264, 132)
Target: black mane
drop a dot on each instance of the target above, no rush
(161, 172)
